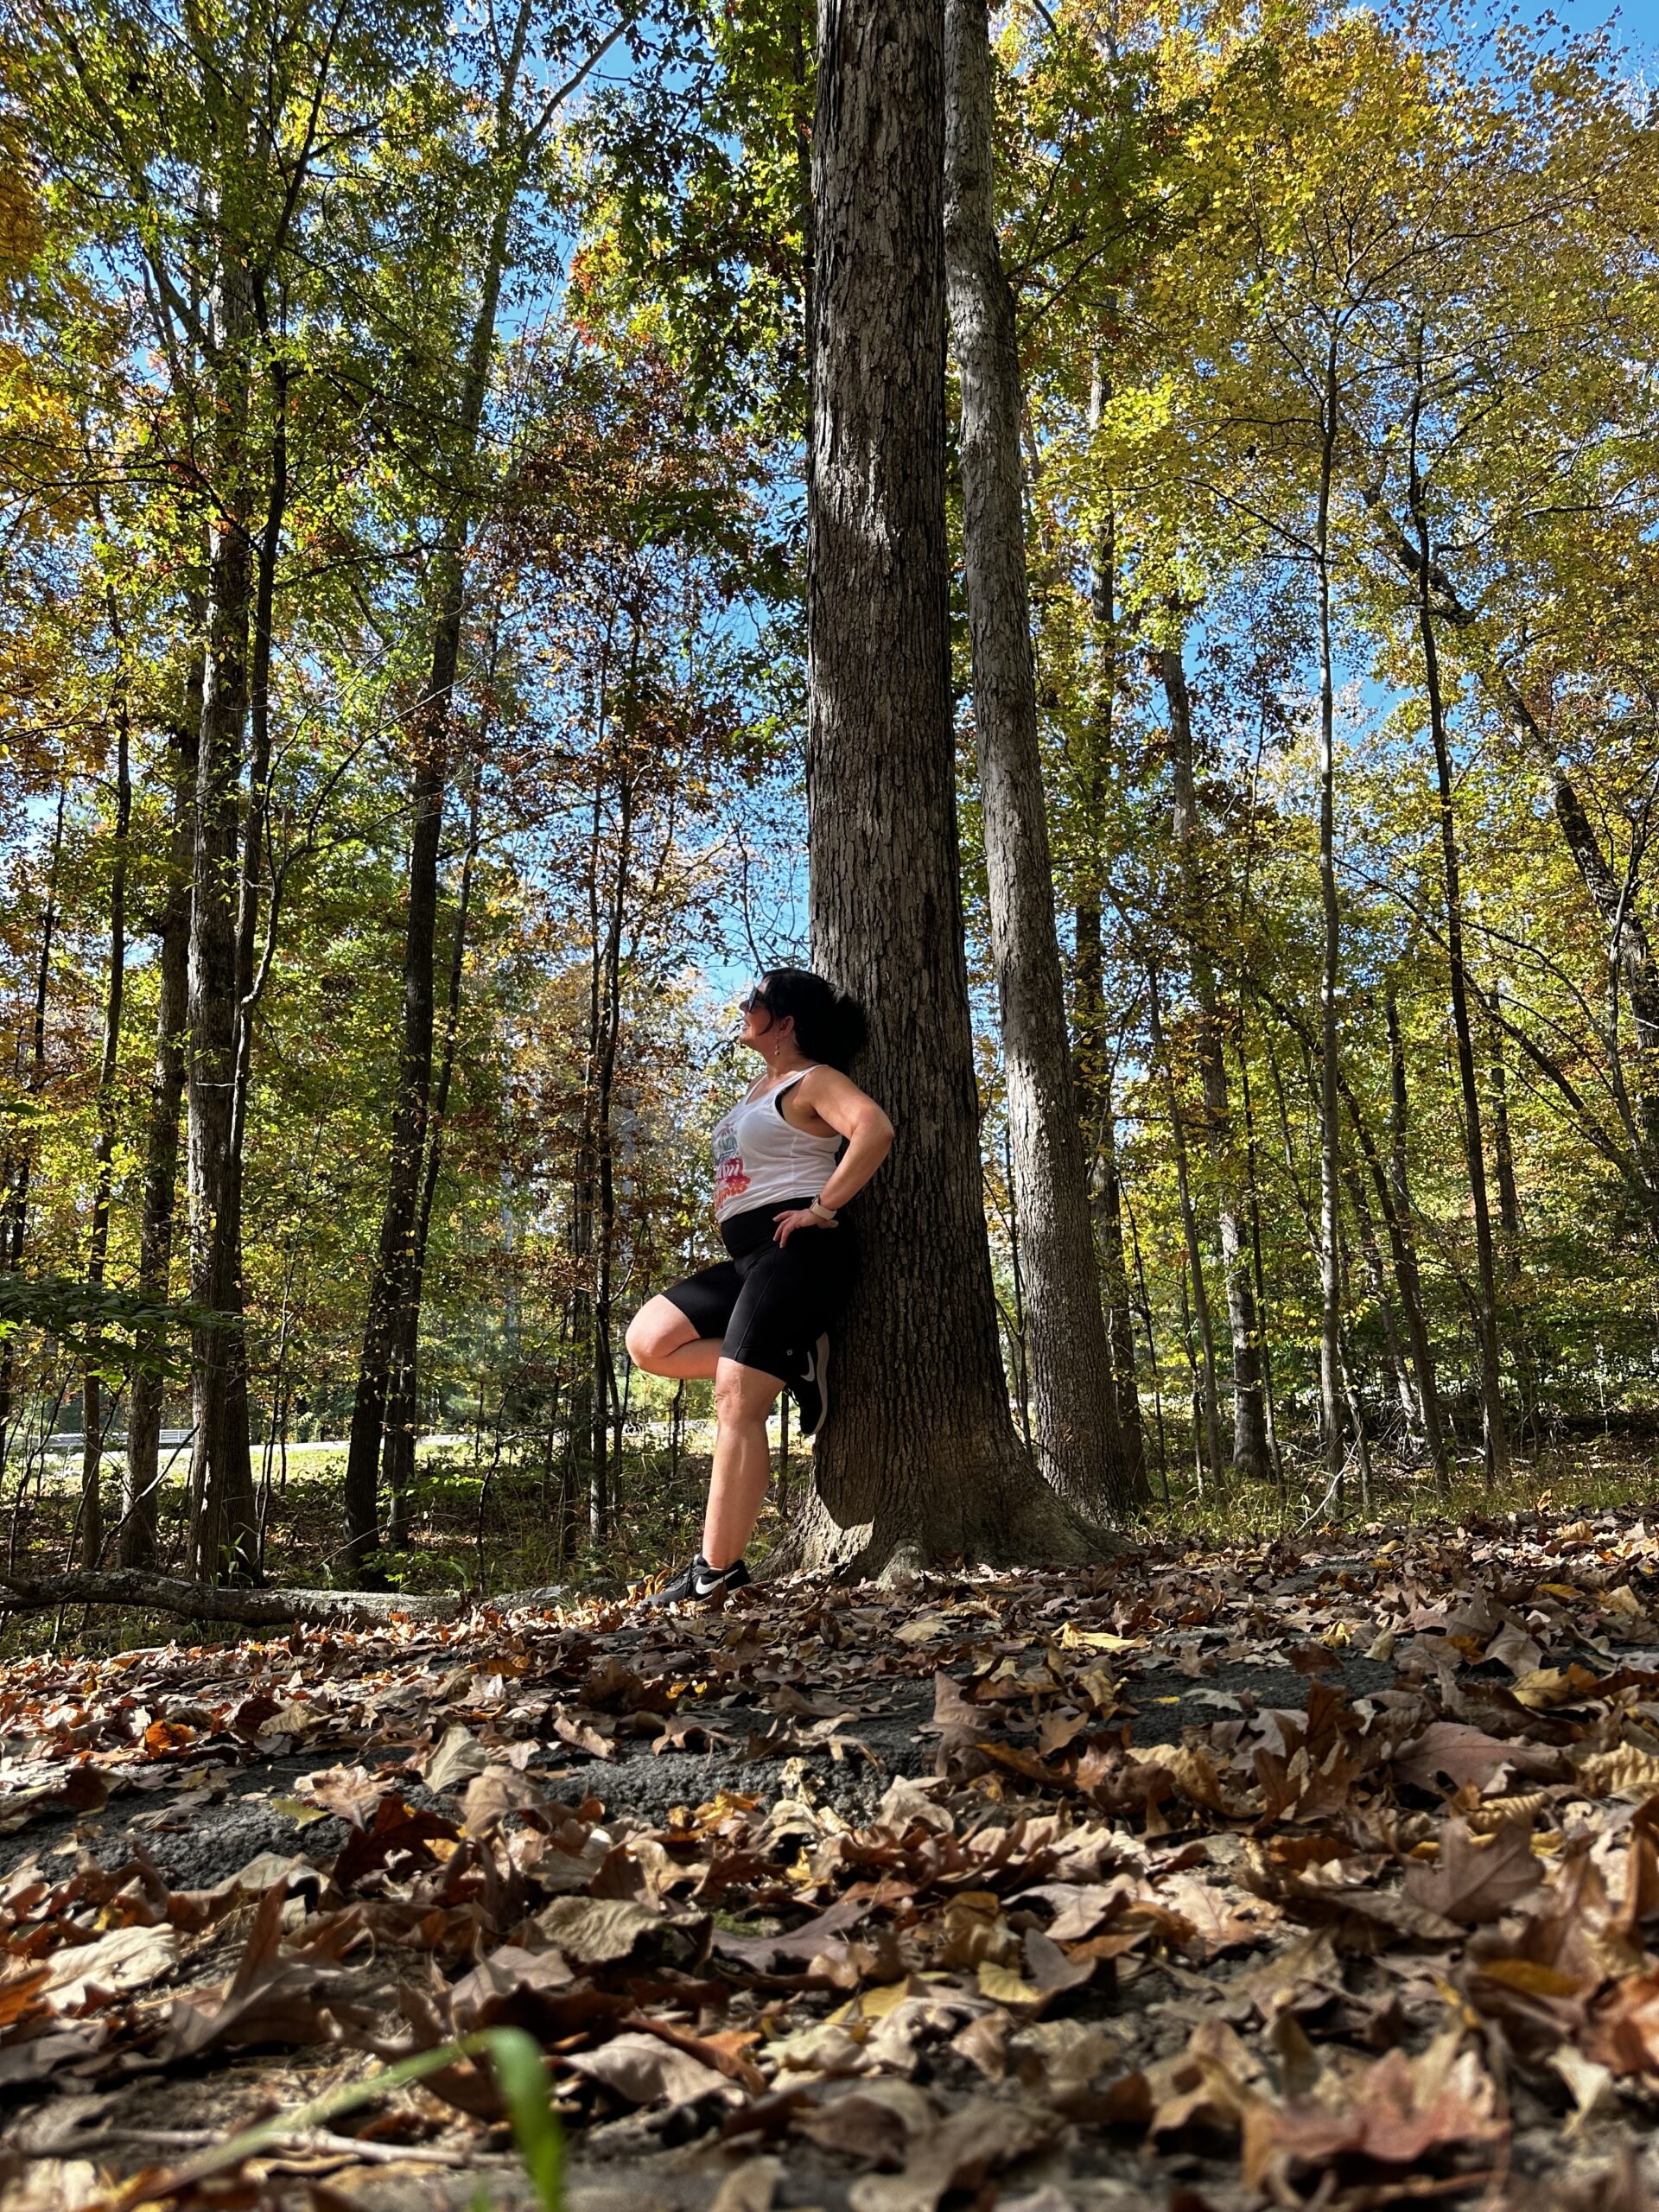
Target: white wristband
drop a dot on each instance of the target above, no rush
(821, 1211)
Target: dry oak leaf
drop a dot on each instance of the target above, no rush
(596, 1929)
(456, 1759)
(1460, 1754)
(112, 1966)
(1476, 1878)
(494, 1793)
(1395, 2113)
(648, 2071)
(1623, 2029)
(874, 2122)
(1193, 1772)
(1626, 1770)
(1049, 1973)
(1546, 1687)
(269, 1999)
(986, 2134)
(504, 1986)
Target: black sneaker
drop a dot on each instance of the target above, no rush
(696, 1584)
(810, 1391)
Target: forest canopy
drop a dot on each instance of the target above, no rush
(402, 706)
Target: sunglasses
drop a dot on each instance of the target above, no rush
(750, 1000)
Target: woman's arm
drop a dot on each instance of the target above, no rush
(837, 1101)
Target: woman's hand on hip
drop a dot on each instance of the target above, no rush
(799, 1217)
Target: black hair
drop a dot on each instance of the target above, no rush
(828, 1026)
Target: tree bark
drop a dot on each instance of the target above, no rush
(1330, 964)
(1094, 1068)
(14, 1207)
(91, 1460)
(224, 1534)
(1209, 1442)
(1076, 1431)
(918, 1456)
(1252, 1458)
(209, 1601)
(136, 1545)
(403, 1387)
(1496, 1431)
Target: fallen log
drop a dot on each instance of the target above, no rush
(245, 1608)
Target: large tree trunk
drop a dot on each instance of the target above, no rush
(92, 1459)
(920, 1452)
(1252, 1458)
(224, 1534)
(137, 1538)
(1496, 1432)
(1077, 1438)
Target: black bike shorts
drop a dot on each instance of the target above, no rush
(770, 1303)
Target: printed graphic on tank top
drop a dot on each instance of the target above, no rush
(761, 1158)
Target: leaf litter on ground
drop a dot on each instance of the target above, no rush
(1224, 1877)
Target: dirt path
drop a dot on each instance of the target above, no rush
(1252, 1875)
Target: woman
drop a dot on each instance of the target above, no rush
(760, 1320)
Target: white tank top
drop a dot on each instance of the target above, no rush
(759, 1157)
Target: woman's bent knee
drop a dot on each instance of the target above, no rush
(744, 1394)
(654, 1332)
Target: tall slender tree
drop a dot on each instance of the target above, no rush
(1077, 1437)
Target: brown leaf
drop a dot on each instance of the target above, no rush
(595, 1929)
(1399, 2111)
(645, 2070)
(503, 1990)
(874, 2122)
(984, 2136)
(493, 1793)
(762, 1951)
(114, 1965)
(1452, 1751)
(456, 1759)
(1477, 1879)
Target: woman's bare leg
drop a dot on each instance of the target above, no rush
(743, 1398)
(664, 1341)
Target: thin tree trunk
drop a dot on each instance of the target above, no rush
(1252, 1460)
(1076, 1432)
(1210, 1444)
(1330, 966)
(14, 1211)
(137, 1539)
(401, 1401)
(1496, 1432)
(918, 1456)
(224, 1532)
(1094, 1068)
(1629, 953)
(1509, 1196)
(92, 1463)
(1400, 1375)
(1253, 1190)
(1390, 1182)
